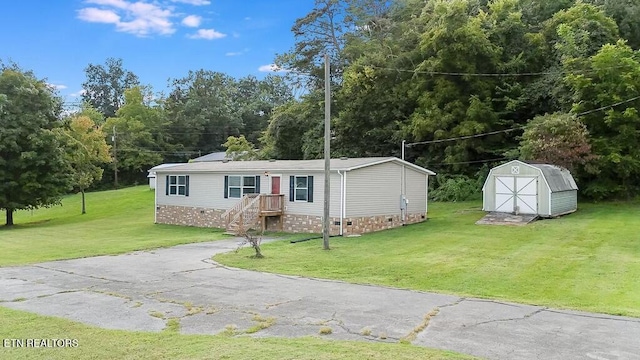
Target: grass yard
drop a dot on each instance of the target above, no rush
(116, 222)
(95, 343)
(589, 260)
(122, 221)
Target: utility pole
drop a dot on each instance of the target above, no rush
(115, 157)
(327, 152)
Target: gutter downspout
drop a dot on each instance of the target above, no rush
(342, 199)
(155, 201)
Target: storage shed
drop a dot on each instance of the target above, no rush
(518, 187)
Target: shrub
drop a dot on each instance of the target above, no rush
(456, 188)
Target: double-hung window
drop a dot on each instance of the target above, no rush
(238, 185)
(177, 185)
(301, 188)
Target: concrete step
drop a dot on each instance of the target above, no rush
(498, 218)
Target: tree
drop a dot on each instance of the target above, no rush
(105, 86)
(607, 94)
(238, 148)
(285, 136)
(255, 100)
(33, 170)
(558, 139)
(202, 111)
(86, 151)
(139, 129)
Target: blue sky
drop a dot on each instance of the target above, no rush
(157, 39)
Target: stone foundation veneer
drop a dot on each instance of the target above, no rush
(203, 217)
(189, 216)
(359, 225)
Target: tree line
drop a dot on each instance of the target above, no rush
(466, 83)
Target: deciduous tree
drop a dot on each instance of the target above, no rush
(86, 151)
(33, 169)
(106, 84)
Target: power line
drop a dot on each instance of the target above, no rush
(516, 128)
(475, 74)
(464, 137)
(468, 162)
(608, 106)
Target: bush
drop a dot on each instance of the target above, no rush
(457, 188)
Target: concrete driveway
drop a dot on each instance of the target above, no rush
(143, 290)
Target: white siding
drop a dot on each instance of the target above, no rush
(205, 190)
(374, 190)
(316, 208)
(416, 192)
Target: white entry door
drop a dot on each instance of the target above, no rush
(517, 193)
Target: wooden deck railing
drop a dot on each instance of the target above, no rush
(271, 204)
(238, 208)
(248, 211)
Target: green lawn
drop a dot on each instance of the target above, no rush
(589, 260)
(116, 222)
(95, 343)
(122, 221)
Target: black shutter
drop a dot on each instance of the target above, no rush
(310, 188)
(186, 188)
(226, 187)
(257, 184)
(292, 181)
(166, 185)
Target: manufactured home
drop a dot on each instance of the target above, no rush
(366, 194)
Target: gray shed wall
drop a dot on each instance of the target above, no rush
(564, 202)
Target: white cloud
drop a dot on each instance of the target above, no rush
(192, 21)
(207, 34)
(79, 93)
(271, 68)
(57, 86)
(194, 2)
(138, 18)
(98, 16)
(247, 18)
(232, 53)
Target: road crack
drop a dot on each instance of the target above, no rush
(526, 316)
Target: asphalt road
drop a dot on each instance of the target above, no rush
(143, 290)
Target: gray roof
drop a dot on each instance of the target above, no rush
(288, 165)
(152, 171)
(559, 179)
(216, 156)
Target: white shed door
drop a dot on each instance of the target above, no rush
(517, 193)
(527, 195)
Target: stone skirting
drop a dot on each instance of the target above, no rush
(189, 216)
(366, 224)
(203, 217)
(308, 224)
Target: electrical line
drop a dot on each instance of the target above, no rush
(516, 128)
(464, 137)
(468, 162)
(608, 106)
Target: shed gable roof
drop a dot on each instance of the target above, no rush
(558, 179)
(289, 165)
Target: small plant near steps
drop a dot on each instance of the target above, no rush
(254, 240)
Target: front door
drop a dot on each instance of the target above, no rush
(275, 185)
